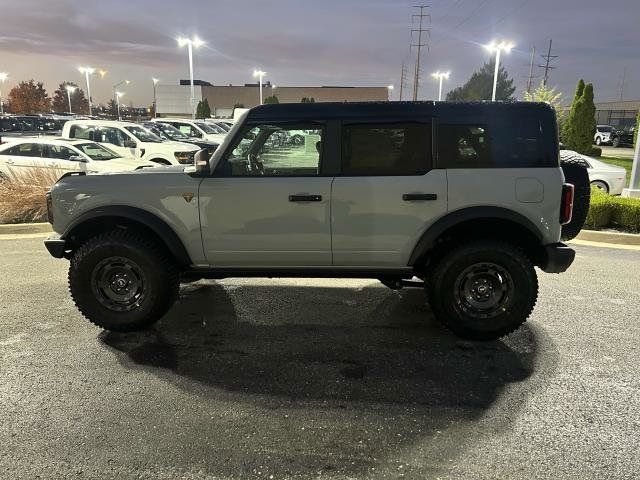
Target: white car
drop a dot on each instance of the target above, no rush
(610, 178)
(603, 134)
(21, 155)
(196, 128)
(131, 140)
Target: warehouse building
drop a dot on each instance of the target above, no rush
(174, 100)
(621, 115)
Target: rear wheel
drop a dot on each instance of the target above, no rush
(483, 290)
(121, 281)
(600, 185)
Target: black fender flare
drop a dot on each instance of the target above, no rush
(166, 234)
(428, 239)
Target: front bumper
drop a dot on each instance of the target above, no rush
(557, 258)
(56, 246)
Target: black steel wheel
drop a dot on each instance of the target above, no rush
(482, 290)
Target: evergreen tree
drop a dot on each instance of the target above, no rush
(480, 86)
(79, 103)
(308, 100)
(580, 126)
(271, 99)
(566, 130)
(203, 110)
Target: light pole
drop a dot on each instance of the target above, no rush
(440, 76)
(88, 71)
(389, 92)
(115, 87)
(3, 78)
(155, 103)
(190, 43)
(259, 74)
(70, 89)
(498, 47)
(118, 95)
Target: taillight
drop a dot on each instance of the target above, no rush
(566, 205)
(49, 207)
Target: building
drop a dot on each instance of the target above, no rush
(174, 100)
(620, 114)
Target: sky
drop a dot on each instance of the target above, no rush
(313, 42)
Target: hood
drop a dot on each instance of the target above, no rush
(179, 146)
(121, 164)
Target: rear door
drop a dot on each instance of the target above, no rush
(387, 193)
(61, 158)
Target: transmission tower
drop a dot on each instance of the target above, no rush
(547, 67)
(403, 79)
(424, 35)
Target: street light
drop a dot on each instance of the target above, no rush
(155, 105)
(3, 78)
(191, 43)
(440, 76)
(88, 71)
(115, 87)
(389, 91)
(498, 47)
(118, 95)
(259, 74)
(70, 89)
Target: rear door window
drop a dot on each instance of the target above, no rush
(389, 149)
(26, 150)
(463, 146)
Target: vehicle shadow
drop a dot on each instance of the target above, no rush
(373, 355)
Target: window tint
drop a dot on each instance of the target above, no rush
(82, 131)
(26, 150)
(270, 150)
(402, 149)
(58, 152)
(463, 146)
(111, 135)
(518, 142)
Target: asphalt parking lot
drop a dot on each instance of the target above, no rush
(319, 379)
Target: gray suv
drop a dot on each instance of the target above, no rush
(461, 199)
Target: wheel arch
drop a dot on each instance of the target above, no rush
(479, 222)
(111, 217)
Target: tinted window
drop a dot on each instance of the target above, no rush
(463, 146)
(402, 149)
(518, 142)
(111, 135)
(26, 150)
(82, 131)
(270, 150)
(58, 152)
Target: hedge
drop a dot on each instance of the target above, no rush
(607, 211)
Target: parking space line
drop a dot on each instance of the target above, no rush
(589, 243)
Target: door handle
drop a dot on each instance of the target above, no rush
(412, 197)
(9, 162)
(305, 198)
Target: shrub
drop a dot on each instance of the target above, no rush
(596, 152)
(615, 212)
(22, 195)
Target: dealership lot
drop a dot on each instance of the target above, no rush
(299, 378)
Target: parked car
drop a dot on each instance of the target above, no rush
(609, 178)
(20, 155)
(219, 123)
(169, 132)
(603, 134)
(374, 192)
(196, 128)
(622, 138)
(131, 140)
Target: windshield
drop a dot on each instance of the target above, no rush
(605, 129)
(169, 131)
(143, 134)
(208, 128)
(96, 152)
(222, 126)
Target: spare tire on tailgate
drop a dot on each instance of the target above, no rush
(575, 172)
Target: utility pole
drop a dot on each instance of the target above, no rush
(547, 67)
(530, 79)
(622, 82)
(427, 31)
(403, 79)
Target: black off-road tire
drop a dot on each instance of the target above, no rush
(451, 307)
(576, 173)
(615, 143)
(158, 287)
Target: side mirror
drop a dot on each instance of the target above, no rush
(201, 161)
(128, 143)
(77, 158)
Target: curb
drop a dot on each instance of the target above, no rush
(24, 228)
(617, 238)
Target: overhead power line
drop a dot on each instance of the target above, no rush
(424, 35)
(547, 66)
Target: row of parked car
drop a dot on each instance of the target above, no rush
(608, 135)
(96, 146)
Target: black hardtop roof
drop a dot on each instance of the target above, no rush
(327, 110)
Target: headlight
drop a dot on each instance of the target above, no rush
(49, 207)
(184, 157)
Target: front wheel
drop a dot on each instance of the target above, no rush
(483, 290)
(122, 281)
(598, 141)
(616, 142)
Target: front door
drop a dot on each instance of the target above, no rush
(267, 204)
